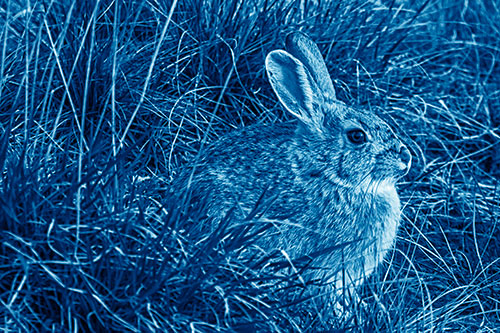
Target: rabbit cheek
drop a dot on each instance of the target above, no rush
(354, 168)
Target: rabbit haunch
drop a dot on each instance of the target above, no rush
(321, 187)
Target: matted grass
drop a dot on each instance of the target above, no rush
(102, 102)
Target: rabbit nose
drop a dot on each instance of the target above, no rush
(404, 154)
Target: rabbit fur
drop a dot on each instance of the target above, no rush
(327, 189)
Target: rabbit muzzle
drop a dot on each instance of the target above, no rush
(405, 159)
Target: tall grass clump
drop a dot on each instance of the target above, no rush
(102, 102)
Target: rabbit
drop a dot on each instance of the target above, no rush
(331, 173)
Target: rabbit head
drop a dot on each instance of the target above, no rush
(353, 148)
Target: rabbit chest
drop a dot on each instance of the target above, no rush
(369, 218)
(382, 218)
(360, 226)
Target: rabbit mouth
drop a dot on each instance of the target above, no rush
(404, 168)
(404, 160)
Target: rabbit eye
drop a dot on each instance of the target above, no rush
(356, 136)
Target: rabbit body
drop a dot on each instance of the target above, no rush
(331, 175)
(311, 211)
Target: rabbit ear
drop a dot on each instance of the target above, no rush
(306, 51)
(295, 88)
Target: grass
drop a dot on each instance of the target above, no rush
(102, 102)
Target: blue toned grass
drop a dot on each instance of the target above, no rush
(101, 103)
